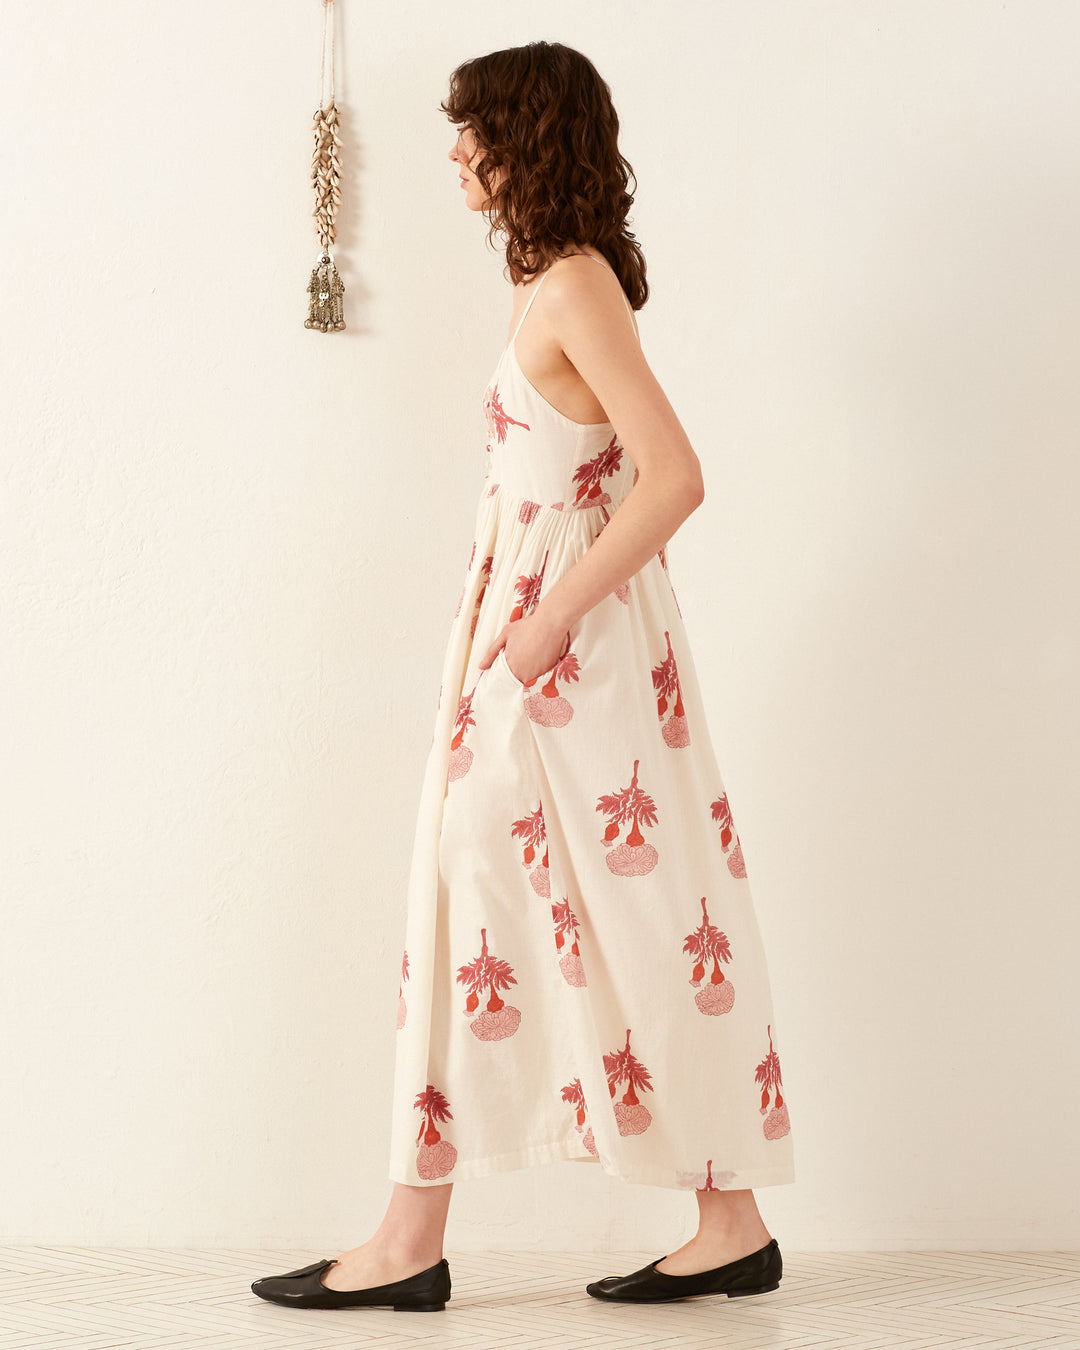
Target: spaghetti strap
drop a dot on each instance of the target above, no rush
(544, 277)
(528, 305)
(629, 307)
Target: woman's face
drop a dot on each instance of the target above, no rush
(464, 153)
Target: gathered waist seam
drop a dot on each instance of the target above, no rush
(530, 508)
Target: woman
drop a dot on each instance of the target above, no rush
(576, 874)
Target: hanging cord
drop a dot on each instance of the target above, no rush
(326, 288)
(327, 30)
(326, 161)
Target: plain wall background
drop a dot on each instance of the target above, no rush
(231, 549)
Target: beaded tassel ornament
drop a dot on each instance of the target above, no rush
(326, 288)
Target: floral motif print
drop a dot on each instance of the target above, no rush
(530, 828)
(776, 1124)
(708, 943)
(485, 572)
(527, 588)
(589, 476)
(665, 678)
(566, 922)
(721, 813)
(435, 1156)
(498, 420)
(623, 1066)
(499, 1019)
(657, 916)
(461, 756)
(636, 857)
(573, 1094)
(549, 708)
(402, 1007)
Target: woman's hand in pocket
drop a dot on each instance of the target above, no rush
(532, 648)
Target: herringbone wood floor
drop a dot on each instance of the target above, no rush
(80, 1298)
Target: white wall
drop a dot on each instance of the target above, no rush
(231, 549)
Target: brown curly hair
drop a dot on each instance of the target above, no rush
(543, 114)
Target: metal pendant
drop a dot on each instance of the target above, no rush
(326, 289)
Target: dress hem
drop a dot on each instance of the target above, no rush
(570, 1150)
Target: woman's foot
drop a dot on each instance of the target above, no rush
(374, 1263)
(408, 1240)
(706, 1251)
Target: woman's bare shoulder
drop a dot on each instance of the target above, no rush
(577, 281)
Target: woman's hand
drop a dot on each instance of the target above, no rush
(532, 647)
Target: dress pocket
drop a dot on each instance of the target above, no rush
(500, 660)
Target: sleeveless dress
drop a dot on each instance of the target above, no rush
(583, 977)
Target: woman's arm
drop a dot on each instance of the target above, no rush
(586, 315)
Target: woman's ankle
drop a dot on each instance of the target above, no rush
(715, 1234)
(410, 1247)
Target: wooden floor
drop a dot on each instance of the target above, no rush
(80, 1298)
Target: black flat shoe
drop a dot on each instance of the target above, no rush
(426, 1291)
(758, 1273)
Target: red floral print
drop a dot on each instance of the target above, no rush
(548, 708)
(623, 1066)
(549, 489)
(588, 476)
(528, 589)
(499, 1019)
(708, 943)
(461, 756)
(435, 1156)
(721, 813)
(566, 921)
(776, 1124)
(634, 858)
(485, 572)
(498, 421)
(402, 1007)
(665, 678)
(573, 1094)
(531, 829)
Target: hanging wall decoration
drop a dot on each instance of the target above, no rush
(326, 288)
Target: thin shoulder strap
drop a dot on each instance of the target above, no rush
(528, 305)
(544, 277)
(629, 307)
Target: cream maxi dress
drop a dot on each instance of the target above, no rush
(583, 976)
